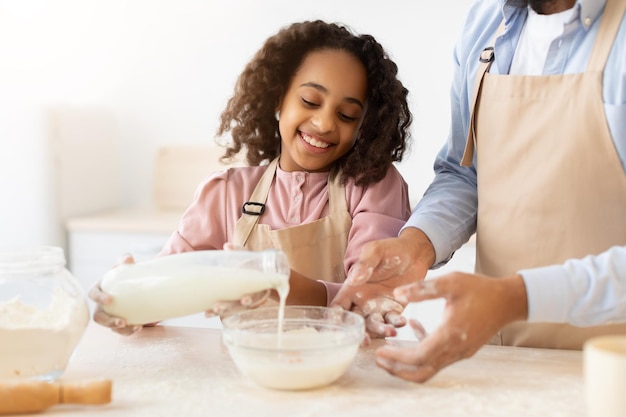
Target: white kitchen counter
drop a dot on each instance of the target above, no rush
(186, 372)
(137, 219)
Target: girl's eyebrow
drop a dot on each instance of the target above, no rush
(324, 90)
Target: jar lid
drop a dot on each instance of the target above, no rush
(31, 259)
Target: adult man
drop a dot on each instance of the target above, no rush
(535, 165)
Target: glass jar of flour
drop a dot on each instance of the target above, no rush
(43, 313)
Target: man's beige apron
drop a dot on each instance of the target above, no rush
(550, 183)
(315, 249)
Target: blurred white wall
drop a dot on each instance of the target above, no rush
(160, 72)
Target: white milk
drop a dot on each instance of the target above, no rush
(296, 368)
(283, 292)
(39, 343)
(178, 285)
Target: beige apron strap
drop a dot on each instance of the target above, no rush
(336, 194)
(254, 208)
(486, 59)
(609, 25)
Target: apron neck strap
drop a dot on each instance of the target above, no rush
(336, 193)
(486, 59)
(252, 209)
(610, 22)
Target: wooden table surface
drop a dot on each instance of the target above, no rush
(183, 371)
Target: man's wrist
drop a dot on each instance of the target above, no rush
(516, 297)
(421, 244)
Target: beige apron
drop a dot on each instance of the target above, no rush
(550, 183)
(315, 249)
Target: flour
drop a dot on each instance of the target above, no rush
(39, 342)
(382, 305)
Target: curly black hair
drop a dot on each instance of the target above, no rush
(250, 113)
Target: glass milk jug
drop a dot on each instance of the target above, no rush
(43, 313)
(191, 282)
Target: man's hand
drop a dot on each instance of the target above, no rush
(382, 266)
(401, 260)
(476, 308)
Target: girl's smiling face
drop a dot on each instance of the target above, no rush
(322, 110)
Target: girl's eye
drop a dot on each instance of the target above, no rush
(342, 116)
(347, 118)
(309, 103)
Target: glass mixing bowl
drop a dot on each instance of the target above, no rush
(43, 313)
(315, 347)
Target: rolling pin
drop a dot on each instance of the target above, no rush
(33, 396)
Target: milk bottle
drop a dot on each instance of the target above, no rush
(191, 282)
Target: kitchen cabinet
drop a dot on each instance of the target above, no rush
(96, 242)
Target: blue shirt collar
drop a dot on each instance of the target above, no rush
(591, 10)
(586, 10)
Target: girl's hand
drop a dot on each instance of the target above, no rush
(375, 302)
(247, 301)
(117, 324)
(382, 266)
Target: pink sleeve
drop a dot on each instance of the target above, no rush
(332, 288)
(204, 225)
(378, 212)
(175, 244)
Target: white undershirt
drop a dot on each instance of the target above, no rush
(537, 35)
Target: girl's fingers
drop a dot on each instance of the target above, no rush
(125, 258)
(376, 326)
(395, 319)
(99, 296)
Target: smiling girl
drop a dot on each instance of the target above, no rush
(320, 116)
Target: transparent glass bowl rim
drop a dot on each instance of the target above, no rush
(351, 326)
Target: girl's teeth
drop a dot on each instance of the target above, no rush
(314, 142)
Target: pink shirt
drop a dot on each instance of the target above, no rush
(378, 211)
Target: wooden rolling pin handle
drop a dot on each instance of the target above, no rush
(90, 392)
(33, 396)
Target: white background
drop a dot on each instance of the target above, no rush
(140, 74)
(161, 72)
